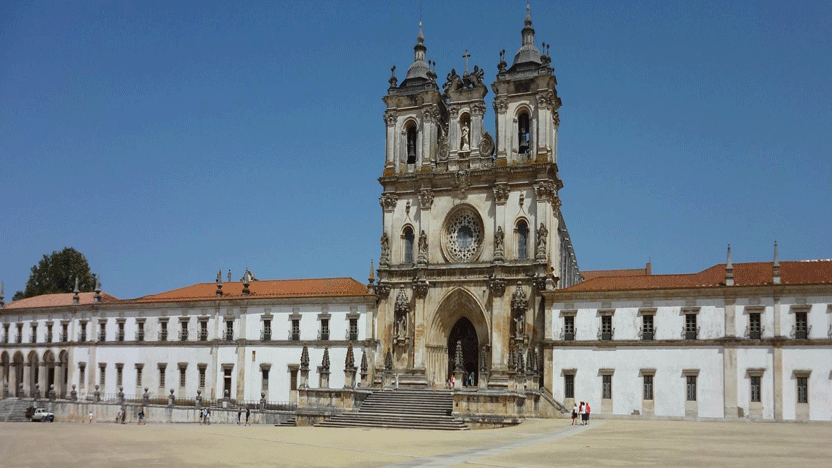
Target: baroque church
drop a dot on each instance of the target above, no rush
(477, 288)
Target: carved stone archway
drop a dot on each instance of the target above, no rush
(457, 304)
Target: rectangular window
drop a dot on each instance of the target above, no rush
(648, 387)
(691, 388)
(83, 335)
(6, 333)
(49, 333)
(755, 388)
(295, 329)
(755, 330)
(229, 330)
(569, 328)
(690, 327)
(182, 374)
(803, 390)
(353, 329)
(82, 371)
(324, 329)
(293, 379)
(647, 328)
(120, 335)
(801, 329)
(606, 387)
(203, 330)
(201, 376)
(102, 374)
(139, 375)
(569, 385)
(34, 338)
(162, 376)
(183, 330)
(606, 327)
(102, 331)
(65, 332)
(20, 333)
(140, 331)
(265, 379)
(163, 331)
(267, 330)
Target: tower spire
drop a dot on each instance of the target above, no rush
(729, 269)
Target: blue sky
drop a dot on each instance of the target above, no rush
(168, 139)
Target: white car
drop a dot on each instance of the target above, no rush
(42, 415)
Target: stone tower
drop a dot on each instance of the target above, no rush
(472, 230)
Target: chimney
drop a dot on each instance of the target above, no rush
(776, 279)
(648, 269)
(729, 269)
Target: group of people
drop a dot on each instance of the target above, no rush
(467, 380)
(205, 416)
(240, 414)
(581, 411)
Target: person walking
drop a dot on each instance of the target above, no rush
(239, 414)
(581, 410)
(141, 417)
(90, 417)
(248, 415)
(574, 413)
(587, 413)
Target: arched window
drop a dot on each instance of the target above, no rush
(523, 133)
(522, 239)
(408, 246)
(411, 144)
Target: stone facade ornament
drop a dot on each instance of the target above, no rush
(349, 363)
(483, 361)
(500, 106)
(501, 66)
(96, 395)
(519, 362)
(499, 247)
(425, 198)
(171, 398)
(388, 361)
(463, 180)
(422, 258)
(519, 302)
(198, 399)
(421, 288)
(325, 360)
(402, 302)
(120, 394)
(388, 201)
(219, 283)
(385, 250)
(304, 358)
(73, 395)
(145, 397)
(364, 365)
(52, 394)
(539, 283)
(444, 150)
(465, 140)
(497, 286)
(542, 236)
(393, 80)
(486, 145)
(501, 192)
(383, 289)
(458, 360)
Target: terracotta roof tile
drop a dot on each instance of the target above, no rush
(745, 274)
(316, 287)
(58, 300)
(592, 274)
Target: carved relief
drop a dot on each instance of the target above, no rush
(499, 249)
(486, 145)
(420, 289)
(501, 193)
(478, 108)
(390, 119)
(385, 250)
(556, 118)
(383, 290)
(545, 190)
(443, 148)
(422, 259)
(388, 201)
(497, 286)
(425, 198)
(463, 180)
(500, 106)
(542, 237)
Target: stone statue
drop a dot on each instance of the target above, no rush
(401, 326)
(385, 249)
(499, 237)
(465, 144)
(423, 243)
(542, 235)
(519, 325)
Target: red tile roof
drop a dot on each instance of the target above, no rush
(58, 300)
(316, 287)
(745, 274)
(592, 274)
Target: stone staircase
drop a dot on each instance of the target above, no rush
(292, 421)
(402, 409)
(14, 409)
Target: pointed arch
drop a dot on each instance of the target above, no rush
(456, 304)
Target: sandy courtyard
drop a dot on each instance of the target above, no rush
(535, 443)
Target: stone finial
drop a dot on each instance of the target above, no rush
(349, 363)
(2, 292)
(325, 360)
(458, 360)
(219, 283)
(519, 302)
(372, 277)
(229, 276)
(246, 280)
(512, 363)
(519, 362)
(393, 80)
(402, 302)
(388, 361)
(304, 358)
(75, 293)
(97, 297)
(776, 266)
(364, 364)
(729, 269)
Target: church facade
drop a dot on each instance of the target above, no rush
(477, 287)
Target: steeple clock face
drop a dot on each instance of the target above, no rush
(462, 235)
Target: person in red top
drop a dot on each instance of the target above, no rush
(586, 421)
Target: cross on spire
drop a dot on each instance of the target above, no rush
(466, 56)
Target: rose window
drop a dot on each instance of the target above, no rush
(463, 235)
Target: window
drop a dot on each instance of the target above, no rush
(569, 385)
(183, 331)
(83, 335)
(324, 329)
(522, 240)
(408, 246)
(102, 374)
(755, 388)
(755, 331)
(801, 330)
(690, 326)
(647, 328)
(162, 368)
(49, 333)
(202, 376)
(139, 369)
(163, 330)
(803, 390)
(267, 330)
(606, 387)
(64, 332)
(411, 144)
(120, 335)
(5, 333)
(119, 374)
(293, 379)
(691, 396)
(606, 327)
(203, 330)
(229, 330)
(182, 376)
(102, 331)
(648, 386)
(227, 381)
(569, 328)
(523, 133)
(34, 338)
(295, 329)
(353, 329)
(20, 333)
(82, 371)
(140, 331)
(265, 379)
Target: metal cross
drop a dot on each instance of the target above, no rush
(466, 56)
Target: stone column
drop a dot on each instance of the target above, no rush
(27, 380)
(777, 375)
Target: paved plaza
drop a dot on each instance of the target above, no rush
(535, 443)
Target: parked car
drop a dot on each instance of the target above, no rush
(40, 414)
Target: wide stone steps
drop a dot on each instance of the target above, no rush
(402, 409)
(14, 410)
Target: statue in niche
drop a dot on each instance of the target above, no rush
(465, 143)
(542, 235)
(423, 243)
(385, 248)
(518, 326)
(499, 237)
(401, 326)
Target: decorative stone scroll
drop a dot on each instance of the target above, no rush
(501, 192)
(425, 198)
(388, 201)
(497, 286)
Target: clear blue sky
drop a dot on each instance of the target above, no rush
(168, 139)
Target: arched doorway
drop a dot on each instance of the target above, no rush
(463, 332)
(18, 375)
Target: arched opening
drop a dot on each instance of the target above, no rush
(49, 365)
(411, 144)
(522, 240)
(33, 374)
(464, 334)
(18, 375)
(63, 373)
(523, 133)
(408, 245)
(4, 368)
